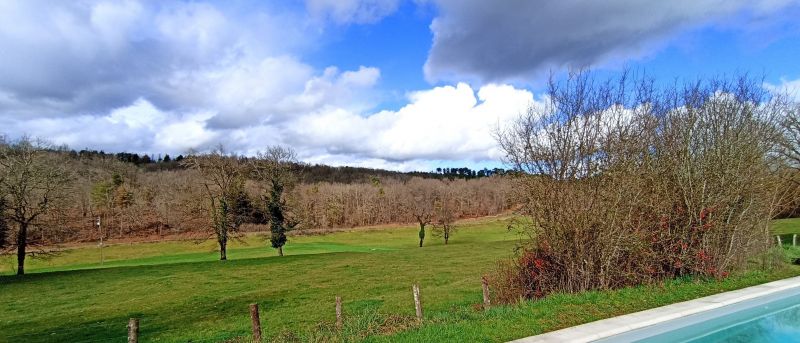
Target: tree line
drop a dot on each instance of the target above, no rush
(51, 195)
(310, 172)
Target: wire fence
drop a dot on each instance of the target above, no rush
(139, 328)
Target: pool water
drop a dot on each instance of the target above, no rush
(780, 326)
(773, 318)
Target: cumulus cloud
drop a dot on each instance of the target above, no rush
(507, 40)
(171, 76)
(163, 76)
(448, 122)
(74, 58)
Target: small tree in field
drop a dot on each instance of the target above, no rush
(420, 203)
(34, 183)
(223, 182)
(445, 215)
(274, 169)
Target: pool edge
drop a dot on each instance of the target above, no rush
(613, 326)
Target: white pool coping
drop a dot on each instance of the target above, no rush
(613, 326)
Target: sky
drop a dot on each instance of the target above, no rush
(394, 84)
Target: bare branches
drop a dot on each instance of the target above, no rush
(223, 179)
(627, 183)
(34, 183)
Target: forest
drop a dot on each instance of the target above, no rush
(74, 196)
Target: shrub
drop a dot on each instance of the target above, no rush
(626, 183)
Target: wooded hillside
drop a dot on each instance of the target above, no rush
(139, 197)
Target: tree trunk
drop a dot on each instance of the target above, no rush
(223, 250)
(421, 233)
(22, 242)
(280, 251)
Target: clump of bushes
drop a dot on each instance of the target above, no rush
(628, 183)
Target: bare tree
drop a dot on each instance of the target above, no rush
(445, 214)
(34, 183)
(223, 182)
(275, 170)
(420, 198)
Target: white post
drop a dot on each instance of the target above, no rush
(485, 286)
(101, 239)
(779, 241)
(338, 312)
(417, 302)
(794, 240)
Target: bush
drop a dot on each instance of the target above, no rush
(627, 184)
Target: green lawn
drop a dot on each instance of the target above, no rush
(181, 293)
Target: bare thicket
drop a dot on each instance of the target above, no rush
(627, 182)
(34, 189)
(333, 205)
(790, 144)
(790, 152)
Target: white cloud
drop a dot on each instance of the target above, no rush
(87, 57)
(443, 123)
(163, 76)
(790, 88)
(449, 122)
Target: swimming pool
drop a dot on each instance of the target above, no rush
(765, 313)
(772, 318)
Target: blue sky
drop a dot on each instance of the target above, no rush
(398, 84)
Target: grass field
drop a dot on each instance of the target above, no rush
(786, 226)
(181, 293)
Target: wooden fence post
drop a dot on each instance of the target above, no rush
(485, 285)
(338, 312)
(417, 301)
(133, 330)
(256, 322)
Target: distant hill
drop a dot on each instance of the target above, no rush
(311, 173)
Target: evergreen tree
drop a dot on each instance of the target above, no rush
(274, 168)
(277, 220)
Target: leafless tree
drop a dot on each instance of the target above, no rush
(445, 214)
(35, 184)
(419, 201)
(222, 179)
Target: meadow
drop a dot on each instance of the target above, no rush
(182, 293)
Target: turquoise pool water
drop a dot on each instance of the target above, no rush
(774, 318)
(780, 326)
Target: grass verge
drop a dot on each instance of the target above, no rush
(180, 293)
